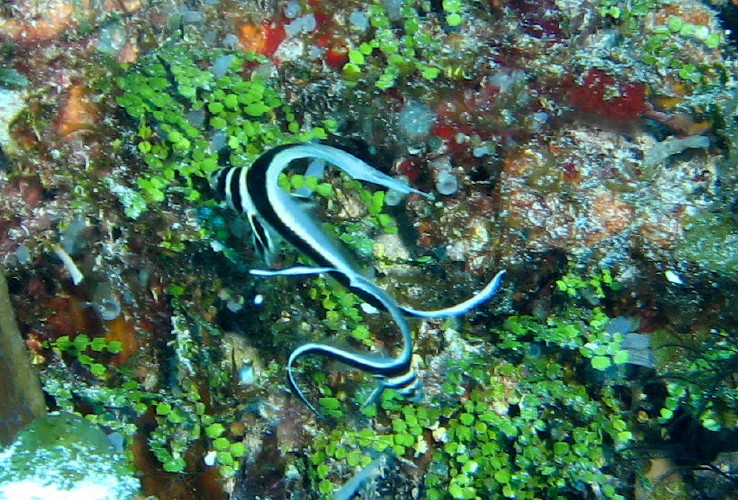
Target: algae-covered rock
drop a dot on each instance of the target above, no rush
(712, 243)
(63, 456)
(21, 399)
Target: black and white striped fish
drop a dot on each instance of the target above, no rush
(273, 212)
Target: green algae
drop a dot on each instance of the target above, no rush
(65, 453)
(183, 102)
(711, 242)
(536, 416)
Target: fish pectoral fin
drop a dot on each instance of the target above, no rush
(291, 271)
(356, 168)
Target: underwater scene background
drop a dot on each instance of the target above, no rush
(587, 148)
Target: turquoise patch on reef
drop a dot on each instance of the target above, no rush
(64, 456)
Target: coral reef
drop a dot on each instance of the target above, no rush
(588, 148)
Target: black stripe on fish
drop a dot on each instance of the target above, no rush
(282, 215)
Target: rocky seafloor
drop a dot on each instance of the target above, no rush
(587, 148)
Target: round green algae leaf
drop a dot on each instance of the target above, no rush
(601, 362)
(453, 20)
(452, 5)
(675, 24)
(351, 72)
(64, 456)
(356, 57)
(712, 41)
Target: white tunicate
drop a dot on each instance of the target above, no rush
(480, 151)
(221, 65)
(446, 183)
(231, 41)
(246, 375)
(23, 255)
(108, 308)
(293, 28)
(218, 141)
(415, 120)
(394, 8)
(70, 238)
(292, 9)
(539, 119)
(309, 22)
(359, 20)
(143, 277)
(302, 24)
(393, 198)
(196, 117)
(440, 163)
(702, 32)
(235, 305)
(117, 440)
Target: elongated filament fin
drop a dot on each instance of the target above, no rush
(462, 307)
(274, 212)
